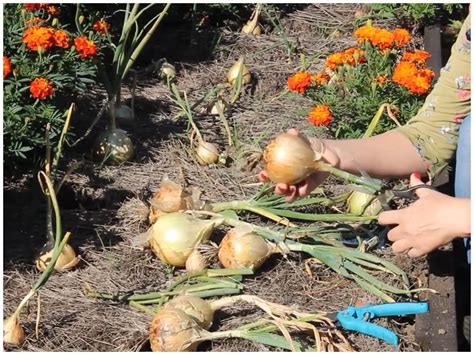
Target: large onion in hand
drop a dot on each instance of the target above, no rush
(289, 159)
(174, 236)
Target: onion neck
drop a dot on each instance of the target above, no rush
(373, 185)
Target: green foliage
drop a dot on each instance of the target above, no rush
(417, 13)
(25, 117)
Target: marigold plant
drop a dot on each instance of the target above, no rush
(355, 82)
(42, 73)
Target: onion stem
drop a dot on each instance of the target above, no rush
(373, 185)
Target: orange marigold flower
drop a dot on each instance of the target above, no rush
(401, 37)
(61, 39)
(321, 78)
(85, 47)
(101, 26)
(299, 82)
(52, 10)
(418, 57)
(33, 7)
(41, 88)
(408, 75)
(365, 33)
(320, 115)
(382, 38)
(37, 37)
(7, 68)
(346, 57)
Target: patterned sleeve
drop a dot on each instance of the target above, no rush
(434, 129)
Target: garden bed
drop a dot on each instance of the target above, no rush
(94, 194)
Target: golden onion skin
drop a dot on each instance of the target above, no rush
(195, 307)
(173, 330)
(13, 333)
(67, 260)
(114, 146)
(243, 250)
(207, 153)
(195, 262)
(174, 236)
(289, 159)
(234, 72)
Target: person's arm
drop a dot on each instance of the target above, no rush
(389, 154)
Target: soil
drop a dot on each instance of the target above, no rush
(98, 202)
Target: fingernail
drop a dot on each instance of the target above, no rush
(417, 174)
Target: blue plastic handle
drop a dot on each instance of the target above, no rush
(358, 325)
(392, 309)
(354, 318)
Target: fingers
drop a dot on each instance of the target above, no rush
(401, 246)
(415, 253)
(390, 217)
(262, 176)
(293, 131)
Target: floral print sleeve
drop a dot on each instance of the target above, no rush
(434, 129)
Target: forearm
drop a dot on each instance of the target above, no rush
(387, 155)
(460, 211)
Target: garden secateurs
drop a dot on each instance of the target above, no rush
(356, 318)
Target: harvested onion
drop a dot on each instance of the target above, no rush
(252, 26)
(170, 198)
(207, 153)
(289, 159)
(174, 236)
(195, 262)
(195, 307)
(173, 330)
(360, 203)
(13, 333)
(242, 248)
(113, 146)
(66, 260)
(233, 73)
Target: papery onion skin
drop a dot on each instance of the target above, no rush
(195, 307)
(358, 200)
(67, 260)
(233, 73)
(289, 159)
(243, 250)
(173, 330)
(250, 28)
(174, 236)
(114, 146)
(207, 153)
(195, 262)
(13, 333)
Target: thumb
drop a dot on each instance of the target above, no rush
(293, 131)
(415, 180)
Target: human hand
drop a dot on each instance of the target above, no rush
(301, 189)
(434, 220)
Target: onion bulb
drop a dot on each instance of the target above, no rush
(173, 330)
(252, 26)
(219, 104)
(242, 248)
(169, 198)
(66, 260)
(289, 159)
(360, 203)
(168, 71)
(174, 236)
(13, 333)
(233, 73)
(207, 153)
(196, 262)
(113, 146)
(195, 307)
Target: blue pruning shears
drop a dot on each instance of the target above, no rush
(356, 318)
